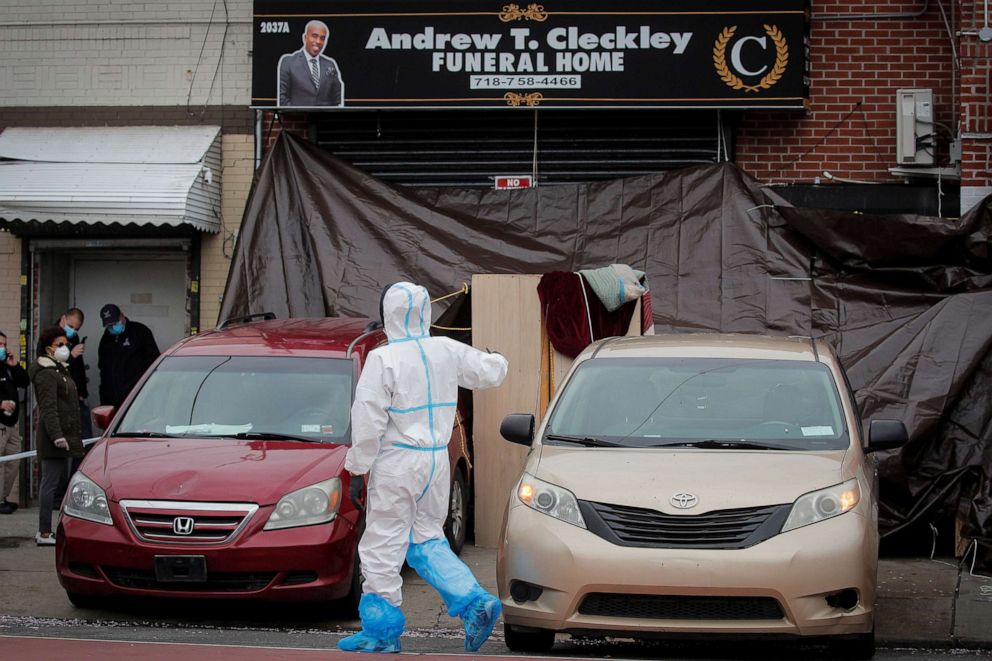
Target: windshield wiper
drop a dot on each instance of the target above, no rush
(144, 434)
(714, 444)
(272, 436)
(588, 441)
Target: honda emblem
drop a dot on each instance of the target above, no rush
(683, 501)
(182, 525)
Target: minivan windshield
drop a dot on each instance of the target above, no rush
(712, 403)
(254, 397)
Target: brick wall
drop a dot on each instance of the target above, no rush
(10, 306)
(10, 288)
(231, 119)
(216, 249)
(126, 52)
(976, 106)
(273, 125)
(856, 67)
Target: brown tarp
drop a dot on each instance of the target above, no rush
(905, 300)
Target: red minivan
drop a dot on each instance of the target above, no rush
(222, 475)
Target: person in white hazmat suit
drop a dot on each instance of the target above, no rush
(401, 421)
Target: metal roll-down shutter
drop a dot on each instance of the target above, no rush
(468, 148)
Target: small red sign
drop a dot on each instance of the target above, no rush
(512, 181)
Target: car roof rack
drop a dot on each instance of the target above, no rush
(264, 316)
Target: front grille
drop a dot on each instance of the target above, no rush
(722, 529)
(83, 570)
(216, 581)
(299, 577)
(186, 522)
(675, 607)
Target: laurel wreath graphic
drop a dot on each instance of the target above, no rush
(513, 12)
(772, 77)
(514, 100)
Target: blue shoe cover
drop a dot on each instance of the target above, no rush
(382, 624)
(479, 619)
(362, 642)
(445, 572)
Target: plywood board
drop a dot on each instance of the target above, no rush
(506, 317)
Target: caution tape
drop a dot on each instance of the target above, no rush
(34, 453)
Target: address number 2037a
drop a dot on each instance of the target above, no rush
(272, 27)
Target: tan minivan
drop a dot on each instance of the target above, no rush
(696, 484)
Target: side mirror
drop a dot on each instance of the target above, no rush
(518, 428)
(102, 416)
(886, 435)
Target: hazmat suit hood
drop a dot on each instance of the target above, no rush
(406, 311)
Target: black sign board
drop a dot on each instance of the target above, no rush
(331, 54)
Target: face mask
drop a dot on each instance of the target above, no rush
(62, 354)
(3, 353)
(117, 328)
(70, 332)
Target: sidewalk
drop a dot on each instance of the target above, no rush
(921, 602)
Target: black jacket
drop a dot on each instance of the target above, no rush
(123, 359)
(12, 378)
(296, 85)
(77, 368)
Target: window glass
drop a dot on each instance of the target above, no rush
(643, 402)
(226, 395)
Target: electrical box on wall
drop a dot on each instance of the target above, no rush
(916, 136)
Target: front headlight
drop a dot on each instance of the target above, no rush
(85, 500)
(549, 499)
(317, 503)
(824, 504)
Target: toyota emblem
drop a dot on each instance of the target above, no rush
(684, 501)
(182, 525)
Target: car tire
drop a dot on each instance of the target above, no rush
(84, 600)
(531, 640)
(456, 525)
(861, 646)
(347, 606)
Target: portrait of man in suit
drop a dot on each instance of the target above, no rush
(307, 77)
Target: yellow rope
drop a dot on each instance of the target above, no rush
(461, 290)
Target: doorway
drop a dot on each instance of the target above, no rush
(150, 286)
(150, 291)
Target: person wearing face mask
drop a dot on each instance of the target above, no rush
(58, 438)
(127, 349)
(71, 322)
(12, 377)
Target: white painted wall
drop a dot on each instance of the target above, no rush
(125, 53)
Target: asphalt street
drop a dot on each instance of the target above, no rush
(23, 638)
(928, 609)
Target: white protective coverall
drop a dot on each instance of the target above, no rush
(401, 420)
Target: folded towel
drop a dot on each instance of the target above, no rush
(615, 285)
